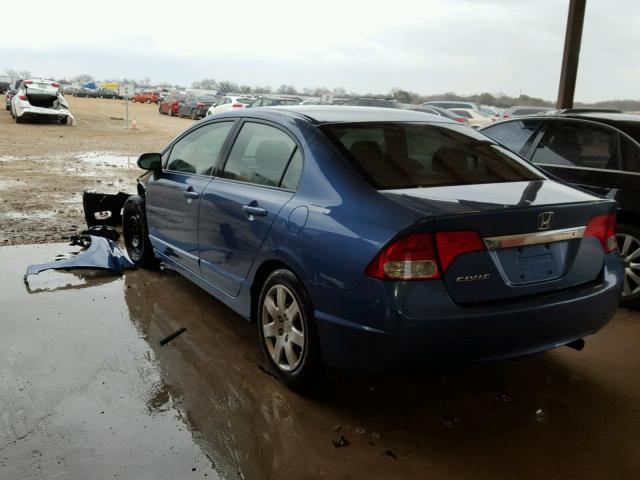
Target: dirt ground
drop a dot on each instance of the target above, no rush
(44, 168)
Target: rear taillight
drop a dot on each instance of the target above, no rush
(199, 105)
(460, 119)
(28, 82)
(22, 97)
(422, 256)
(453, 244)
(55, 85)
(603, 227)
(409, 258)
(237, 105)
(505, 115)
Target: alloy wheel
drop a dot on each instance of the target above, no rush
(629, 247)
(283, 328)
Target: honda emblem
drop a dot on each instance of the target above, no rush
(544, 220)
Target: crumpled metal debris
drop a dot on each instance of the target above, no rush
(101, 254)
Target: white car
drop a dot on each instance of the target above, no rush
(228, 103)
(40, 99)
(476, 119)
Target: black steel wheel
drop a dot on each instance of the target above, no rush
(136, 234)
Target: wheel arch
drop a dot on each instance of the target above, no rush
(266, 268)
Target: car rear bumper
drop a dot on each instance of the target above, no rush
(388, 336)
(30, 113)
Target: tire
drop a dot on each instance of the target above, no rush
(193, 115)
(628, 237)
(136, 233)
(288, 335)
(18, 119)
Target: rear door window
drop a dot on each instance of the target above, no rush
(630, 155)
(513, 135)
(260, 155)
(197, 153)
(409, 155)
(577, 144)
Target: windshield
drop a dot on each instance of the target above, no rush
(410, 155)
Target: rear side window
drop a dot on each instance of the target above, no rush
(260, 155)
(197, 153)
(513, 135)
(577, 144)
(401, 155)
(630, 155)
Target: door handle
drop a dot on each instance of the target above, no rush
(254, 211)
(189, 193)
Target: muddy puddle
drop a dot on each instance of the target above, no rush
(87, 391)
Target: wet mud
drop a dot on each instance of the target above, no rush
(88, 391)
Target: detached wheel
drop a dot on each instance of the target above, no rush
(136, 233)
(628, 237)
(287, 331)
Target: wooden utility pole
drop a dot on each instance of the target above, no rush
(571, 54)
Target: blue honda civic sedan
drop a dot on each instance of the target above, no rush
(375, 239)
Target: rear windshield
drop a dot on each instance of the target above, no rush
(245, 101)
(411, 155)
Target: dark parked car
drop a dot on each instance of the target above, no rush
(373, 102)
(107, 93)
(596, 151)
(274, 101)
(375, 239)
(196, 106)
(84, 92)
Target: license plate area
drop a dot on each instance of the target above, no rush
(533, 263)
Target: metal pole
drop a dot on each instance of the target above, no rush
(571, 54)
(126, 107)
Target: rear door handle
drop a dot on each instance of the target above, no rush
(254, 211)
(190, 193)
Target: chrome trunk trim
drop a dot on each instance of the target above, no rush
(534, 238)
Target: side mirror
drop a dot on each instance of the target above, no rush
(150, 161)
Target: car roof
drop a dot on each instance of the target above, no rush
(321, 114)
(607, 116)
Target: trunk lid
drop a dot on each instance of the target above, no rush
(533, 233)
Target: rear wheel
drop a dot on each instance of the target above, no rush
(287, 331)
(18, 119)
(628, 237)
(193, 115)
(136, 234)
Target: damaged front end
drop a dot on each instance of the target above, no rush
(103, 208)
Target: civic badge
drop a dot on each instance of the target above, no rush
(544, 220)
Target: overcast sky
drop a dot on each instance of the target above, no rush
(427, 46)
